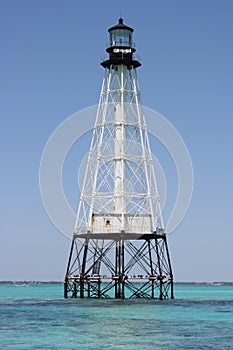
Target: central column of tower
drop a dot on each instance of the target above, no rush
(120, 75)
(119, 141)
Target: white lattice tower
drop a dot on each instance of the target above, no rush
(119, 228)
(119, 190)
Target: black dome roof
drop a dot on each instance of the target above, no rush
(121, 25)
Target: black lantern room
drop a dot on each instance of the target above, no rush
(121, 47)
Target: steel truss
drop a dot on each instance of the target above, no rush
(119, 267)
(119, 246)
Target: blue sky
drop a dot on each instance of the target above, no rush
(49, 62)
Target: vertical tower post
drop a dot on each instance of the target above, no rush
(119, 246)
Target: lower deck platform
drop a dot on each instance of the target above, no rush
(118, 287)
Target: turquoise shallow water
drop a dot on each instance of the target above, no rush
(37, 317)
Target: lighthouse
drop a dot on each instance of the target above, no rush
(119, 247)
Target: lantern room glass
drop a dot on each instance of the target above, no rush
(121, 37)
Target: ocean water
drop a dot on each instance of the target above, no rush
(37, 317)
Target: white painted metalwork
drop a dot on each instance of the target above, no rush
(119, 190)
